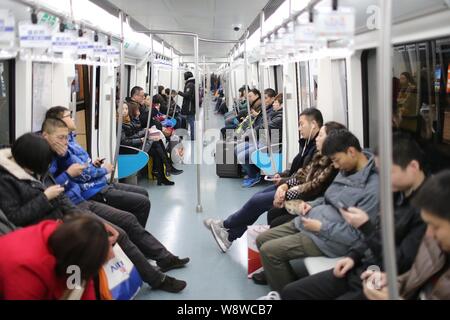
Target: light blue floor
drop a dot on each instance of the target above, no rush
(173, 219)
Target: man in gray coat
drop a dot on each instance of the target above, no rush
(320, 230)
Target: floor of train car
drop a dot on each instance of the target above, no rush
(173, 219)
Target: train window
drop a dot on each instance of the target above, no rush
(421, 97)
(308, 84)
(42, 92)
(6, 101)
(339, 79)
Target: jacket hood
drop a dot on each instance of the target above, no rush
(9, 164)
(359, 178)
(192, 79)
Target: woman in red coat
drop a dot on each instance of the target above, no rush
(46, 261)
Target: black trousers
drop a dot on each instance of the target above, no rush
(128, 198)
(144, 240)
(148, 273)
(160, 157)
(325, 286)
(278, 216)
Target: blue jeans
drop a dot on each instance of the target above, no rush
(243, 153)
(259, 203)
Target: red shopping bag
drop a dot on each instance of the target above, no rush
(254, 260)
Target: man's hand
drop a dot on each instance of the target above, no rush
(109, 167)
(312, 225)
(76, 169)
(53, 191)
(280, 196)
(304, 208)
(113, 235)
(98, 162)
(343, 266)
(375, 294)
(378, 279)
(59, 148)
(355, 217)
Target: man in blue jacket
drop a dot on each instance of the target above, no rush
(320, 229)
(93, 178)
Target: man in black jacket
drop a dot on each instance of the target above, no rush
(188, 106)
(344, 282)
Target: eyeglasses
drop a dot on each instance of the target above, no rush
(68, 115)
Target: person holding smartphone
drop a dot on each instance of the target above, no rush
(344, 281)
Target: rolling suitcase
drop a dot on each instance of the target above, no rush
(226, 162)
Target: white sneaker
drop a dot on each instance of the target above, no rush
(221, 237)
(209, 221)
(273, 295)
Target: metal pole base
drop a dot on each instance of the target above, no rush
(199, 208)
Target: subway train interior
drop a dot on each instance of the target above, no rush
(224, 150)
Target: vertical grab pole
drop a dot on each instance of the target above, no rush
(385, 141)
(152, 71)
(171, 82)
(198, 142)
(122, 96)
(285, 120)
(205, 108)
(93, 100)
(263, 105)
(246, 77)
(113, 120)
(178, 84)
(206, 91)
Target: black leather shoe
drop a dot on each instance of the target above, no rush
(175, 171)
(259, 278)
(172, 263)
(165, 182)
(171, 285)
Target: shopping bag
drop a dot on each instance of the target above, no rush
(254, 260)
(118, 278)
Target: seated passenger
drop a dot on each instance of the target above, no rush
(320, 230)
(310, 122)
(36, 259)
(309, 183)
(161, 98)
(301, 186)
(275, 124)
(93, 180)
(429, 276)
(32, 196)
(254, 97)
(133, 135)
(252, 141)
(344, 281)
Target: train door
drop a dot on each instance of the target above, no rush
(83, 118)
(7, 101)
